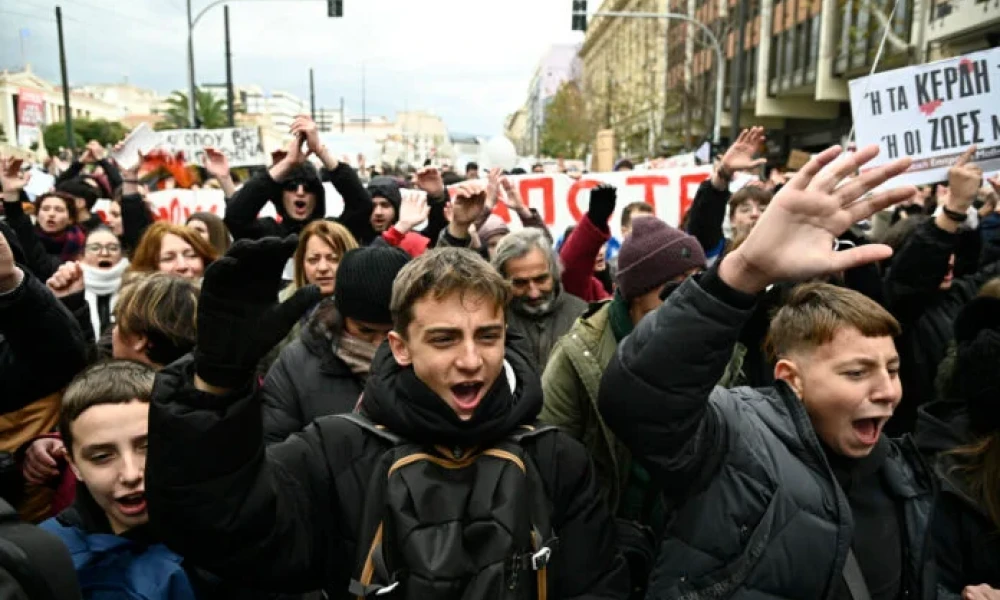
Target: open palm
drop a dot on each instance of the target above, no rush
(794, 239)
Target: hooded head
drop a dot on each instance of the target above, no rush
(491, 232)
(386, 198)
(86, 195)
(303, 198)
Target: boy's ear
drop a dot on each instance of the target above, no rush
(399, 349)
(72, 465)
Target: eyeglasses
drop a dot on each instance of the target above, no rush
(109, 248)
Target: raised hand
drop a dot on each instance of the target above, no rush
(429, 179)
(239, 317)
(468, 203)
(493, 187)
(512, 197)
(794, 238)
(216, 163)
(964, 181)
(306, 128)
(739, 156)
(413, 211)
(602, 204)
(12, 180)
(67, 280)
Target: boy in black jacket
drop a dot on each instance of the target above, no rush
(450, 381)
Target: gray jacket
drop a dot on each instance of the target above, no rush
(543, 331)
(759, 513)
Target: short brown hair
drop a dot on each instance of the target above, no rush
(147, 253)
(443, 272)
(814, 312)
(108, 382)
(749, 193)
(68, 200)
(634, 207)
(162, 307)
(334, 234)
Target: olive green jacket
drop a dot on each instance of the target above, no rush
(570, 384)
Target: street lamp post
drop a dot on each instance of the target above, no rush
(190, 57)
(720, 77)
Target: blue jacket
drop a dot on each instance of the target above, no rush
(116, 567)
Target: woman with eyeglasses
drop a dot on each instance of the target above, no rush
(94, 280)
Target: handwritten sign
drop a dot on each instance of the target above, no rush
(241, 145)
(931, 113)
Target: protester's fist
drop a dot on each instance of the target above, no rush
(10, 274)
(794, 238)
(41, 460)
(413, 211)
(470, 199)
(306, 128)
(239, 318)
(602, 203)
(964, 181)
(216, 163)
(739, 156)
(12, 180)
(67, 280)
(980, 592)
(429, 179)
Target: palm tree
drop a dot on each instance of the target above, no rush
(211, 111)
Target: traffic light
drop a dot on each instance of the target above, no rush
(579, 15)
(335, 8)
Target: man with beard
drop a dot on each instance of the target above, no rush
(540, 310)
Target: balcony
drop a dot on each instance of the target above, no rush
(794, 48)
(861, 26)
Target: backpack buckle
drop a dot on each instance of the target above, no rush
(540, 559)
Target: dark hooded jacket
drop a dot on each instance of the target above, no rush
(759, 512)
(309, 380)
(42, 346)
(288, 517)
(388, 188)
(243, 208)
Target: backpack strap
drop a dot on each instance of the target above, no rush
(367, 424)
(544, 539)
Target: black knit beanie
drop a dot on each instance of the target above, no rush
(78, 188)
(364, 283)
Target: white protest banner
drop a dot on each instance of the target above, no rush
(931, 113)
(560, 200)
(241, 145)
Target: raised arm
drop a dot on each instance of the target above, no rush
(579, 250)
(12, 183)
(265, 517)
(671, 418)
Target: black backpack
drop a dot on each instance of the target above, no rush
(34, 564)
(448, 524)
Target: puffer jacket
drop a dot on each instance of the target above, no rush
(308, 380)
(288, 518)
(758, 511)
(570, 386)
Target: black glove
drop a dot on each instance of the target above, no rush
(602, 204)
(239, 317)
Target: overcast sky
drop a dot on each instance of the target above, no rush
(469, 61)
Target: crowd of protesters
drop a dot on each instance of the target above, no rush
(789, 396)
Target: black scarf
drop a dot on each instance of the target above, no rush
(396, 398)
